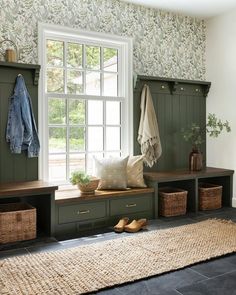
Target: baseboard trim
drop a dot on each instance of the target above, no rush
(234, 202)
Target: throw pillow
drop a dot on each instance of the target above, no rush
(135, 171)
(112, 173)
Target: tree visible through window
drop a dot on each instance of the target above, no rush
(84, 105)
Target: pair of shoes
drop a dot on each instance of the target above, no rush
(133, 227)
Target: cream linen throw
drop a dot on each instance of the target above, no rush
(148, 133)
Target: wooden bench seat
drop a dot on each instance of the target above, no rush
(70, 195)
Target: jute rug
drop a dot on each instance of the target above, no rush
(89, 268)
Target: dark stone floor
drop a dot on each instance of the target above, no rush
(215, 277)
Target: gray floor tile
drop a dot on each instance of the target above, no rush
(223, 213)
(45, 248)
(163, 284)
(41, 241)
(13, 252)
(112, 291)
(134, 288)
(141, 288)
(221, 285)
(217, 266)
(174, 280)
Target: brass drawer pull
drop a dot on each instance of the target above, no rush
(130, 205)
(83, 212)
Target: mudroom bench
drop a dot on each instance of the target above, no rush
(190, 181)
(39, 194)
(76, 212)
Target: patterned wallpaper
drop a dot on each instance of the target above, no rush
(165, 44)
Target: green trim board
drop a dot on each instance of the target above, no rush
(178, 103)
(16, 167)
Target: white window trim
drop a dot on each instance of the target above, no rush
(126, 44)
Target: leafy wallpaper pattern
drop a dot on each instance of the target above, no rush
(165, 44)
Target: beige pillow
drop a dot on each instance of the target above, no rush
(135, 171)
(112, 173)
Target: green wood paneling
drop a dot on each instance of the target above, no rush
(178, 104)
(16, 167)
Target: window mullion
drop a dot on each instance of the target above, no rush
(84, 67)
(104, 128)
(86, 135)
(101, 73)
(67, 112)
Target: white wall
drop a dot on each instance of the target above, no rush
(221, 71)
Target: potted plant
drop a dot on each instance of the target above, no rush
(87, 184)
(196, 135)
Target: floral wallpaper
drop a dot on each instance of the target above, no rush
(165, 44)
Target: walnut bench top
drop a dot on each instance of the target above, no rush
(181, 174)
(70, 195)
(26, 188)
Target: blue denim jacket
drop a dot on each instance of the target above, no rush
(21, 130)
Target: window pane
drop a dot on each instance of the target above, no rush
(76, 140)
(76, 111)
(92, 57)
(54, 53)
(55, 80)
(56, 111)
(90, 162)
(95, 112)
(57, 139)
(74, 55)
(110, 59)
(113, 138)
(93, 83)
(113, 112)
(74, 82)
(110, 84)
(57, 167)
(95, 139)
(77, 162)
(113, 154)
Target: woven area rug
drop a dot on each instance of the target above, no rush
(89, 268)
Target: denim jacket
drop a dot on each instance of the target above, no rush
(21, 130)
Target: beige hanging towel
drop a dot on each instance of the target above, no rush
(148, 133)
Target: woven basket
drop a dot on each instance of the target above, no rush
(210, 196)
(89, 188)
(172, 201)
(17, 222)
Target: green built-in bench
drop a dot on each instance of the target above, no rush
(76, 212)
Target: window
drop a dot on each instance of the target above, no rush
(86, 100)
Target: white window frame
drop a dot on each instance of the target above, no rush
(47, 31)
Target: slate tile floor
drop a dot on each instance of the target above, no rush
(215, 277)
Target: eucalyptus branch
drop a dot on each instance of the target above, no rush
(196, 134)
(215, 126)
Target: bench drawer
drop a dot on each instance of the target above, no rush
(131, 205)
(80, 212)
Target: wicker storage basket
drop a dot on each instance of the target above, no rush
(89, 188)
(172, 201)
(17, 222)
(210, 196)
